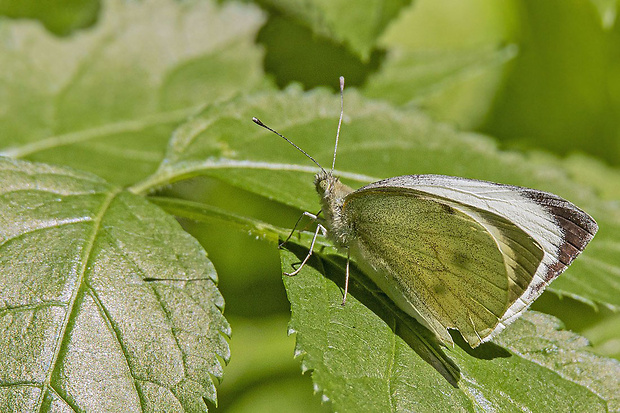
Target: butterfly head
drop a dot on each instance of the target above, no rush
(324, 182)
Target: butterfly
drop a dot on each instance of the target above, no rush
(453, 253)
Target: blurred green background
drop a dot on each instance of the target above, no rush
(533, 75)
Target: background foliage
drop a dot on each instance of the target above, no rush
(155, 98)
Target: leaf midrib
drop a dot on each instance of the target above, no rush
(83, 135)
(70, 310)
(167, 176)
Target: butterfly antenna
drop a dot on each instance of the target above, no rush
(259, 123)
(340, 120)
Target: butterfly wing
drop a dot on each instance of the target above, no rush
(463, 254)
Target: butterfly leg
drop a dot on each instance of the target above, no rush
(319, 227)
(346, 280)
(315, 218)
(305, 214)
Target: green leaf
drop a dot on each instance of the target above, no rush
(539, 338)
(608, 11)
(107, 304)
(358, 27)
(369, 356)
(104, 102)
(58, 16)
(378, 141)
(451, 85)
(605, 336)
(448, 58)
(592, 172)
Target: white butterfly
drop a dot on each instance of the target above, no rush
(454, 253)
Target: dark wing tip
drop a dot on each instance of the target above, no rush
(569, 217)
(577, 226)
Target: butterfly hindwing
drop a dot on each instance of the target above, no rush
(435, 259)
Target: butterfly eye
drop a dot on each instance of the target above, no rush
(324, 185)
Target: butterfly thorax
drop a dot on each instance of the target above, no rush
(332, 193)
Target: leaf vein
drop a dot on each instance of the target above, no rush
(55, 224)
(32, 307)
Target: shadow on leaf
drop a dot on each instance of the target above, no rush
(485, 351)
(417, 337)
